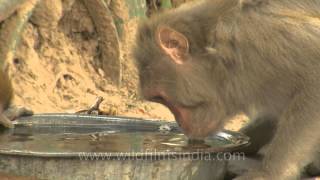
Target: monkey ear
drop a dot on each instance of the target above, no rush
(173, 43)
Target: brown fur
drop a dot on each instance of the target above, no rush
(254, 56)
(5, 91)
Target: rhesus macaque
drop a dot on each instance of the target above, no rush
(209, 60)
(6, 94)
(5, 98)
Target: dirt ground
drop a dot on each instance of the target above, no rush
(56, 68)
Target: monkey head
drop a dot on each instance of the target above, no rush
(176, 71)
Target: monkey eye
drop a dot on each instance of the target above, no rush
(158, 99)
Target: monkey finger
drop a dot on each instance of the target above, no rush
(6, 122)
(15, 112)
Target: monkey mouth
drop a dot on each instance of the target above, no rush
(176, 111)
(193, 128)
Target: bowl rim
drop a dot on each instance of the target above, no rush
(237, 140)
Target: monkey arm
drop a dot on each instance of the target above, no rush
(6, 93)
(5, 98)
(296, 138)
(260, 131)
(11, 113)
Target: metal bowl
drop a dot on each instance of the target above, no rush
(69, 146)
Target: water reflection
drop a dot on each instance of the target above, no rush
(100, 139)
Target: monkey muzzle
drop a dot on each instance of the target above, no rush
(196, 129)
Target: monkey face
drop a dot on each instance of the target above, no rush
(193, 113)
(169, 76)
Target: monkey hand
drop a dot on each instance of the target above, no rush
(11, 114)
